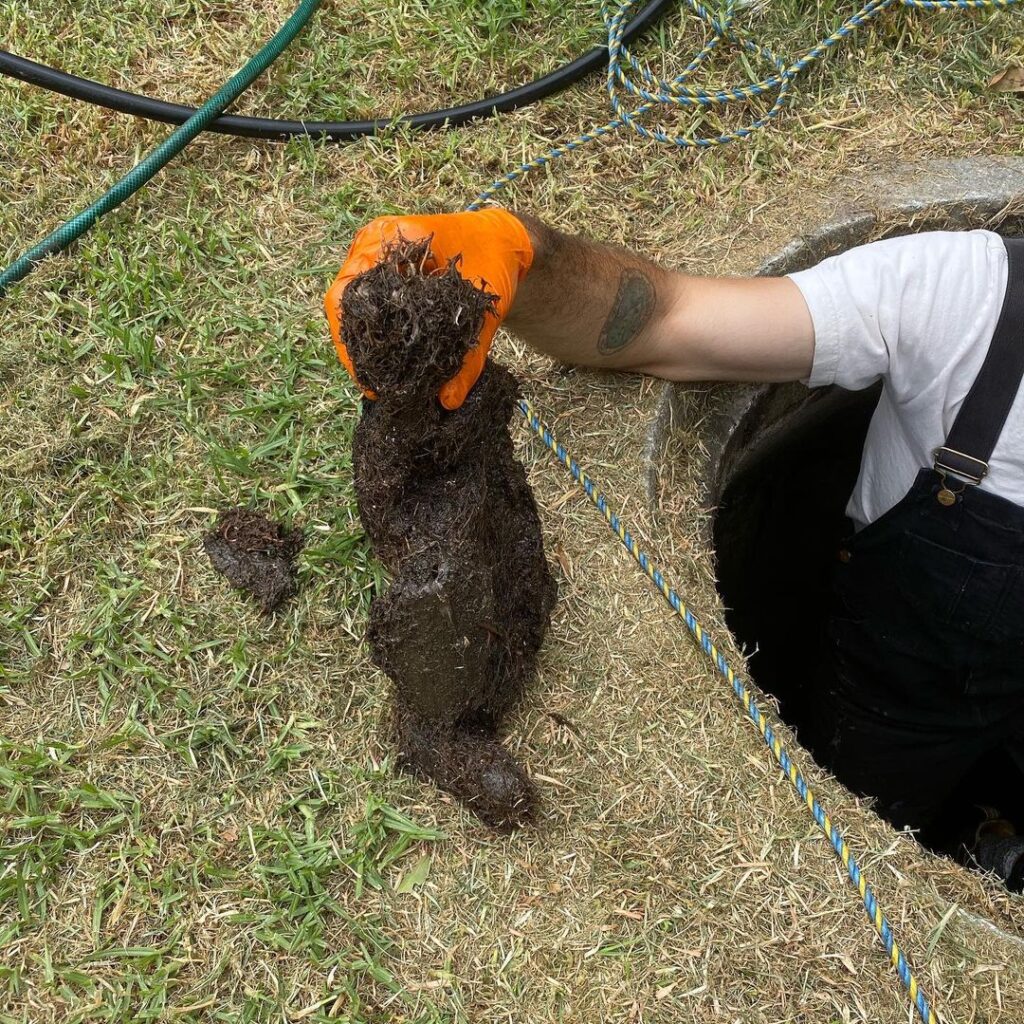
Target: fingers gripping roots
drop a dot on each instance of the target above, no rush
(409, 324)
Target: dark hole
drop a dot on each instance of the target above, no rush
(784, 480)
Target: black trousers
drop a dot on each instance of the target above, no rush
(924, 652)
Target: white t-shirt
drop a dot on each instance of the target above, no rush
(917, 312)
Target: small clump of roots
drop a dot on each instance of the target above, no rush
(448, 511)
(255, 554)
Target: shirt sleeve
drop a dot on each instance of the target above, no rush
(889, 309)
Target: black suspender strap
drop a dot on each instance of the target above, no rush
(979, 422)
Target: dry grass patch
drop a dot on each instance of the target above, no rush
(200, 817)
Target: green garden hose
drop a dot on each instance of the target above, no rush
(62, 237)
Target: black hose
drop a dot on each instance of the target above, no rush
(335, 131)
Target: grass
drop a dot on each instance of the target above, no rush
(200, 817)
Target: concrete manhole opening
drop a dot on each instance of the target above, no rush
(778, 464)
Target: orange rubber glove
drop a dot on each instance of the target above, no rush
(496, 254)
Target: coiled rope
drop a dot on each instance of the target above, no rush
(677, 93)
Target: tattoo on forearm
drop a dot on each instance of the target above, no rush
(633, 306)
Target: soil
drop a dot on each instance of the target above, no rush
(448, 510)
(256, 555)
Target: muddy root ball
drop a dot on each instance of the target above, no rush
(448, 511)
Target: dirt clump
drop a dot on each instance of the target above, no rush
(255, 554)
(448, 510)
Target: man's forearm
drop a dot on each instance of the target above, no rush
(588, 304)
(595, 305)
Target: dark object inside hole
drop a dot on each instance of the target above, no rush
(256, 555)
(785, 479)
(448, 510)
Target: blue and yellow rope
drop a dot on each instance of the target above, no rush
(676, 92)
(652, 92)
(756, 715)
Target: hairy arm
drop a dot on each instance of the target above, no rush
(593, 305)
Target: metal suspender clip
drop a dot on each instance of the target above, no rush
(949, 460)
